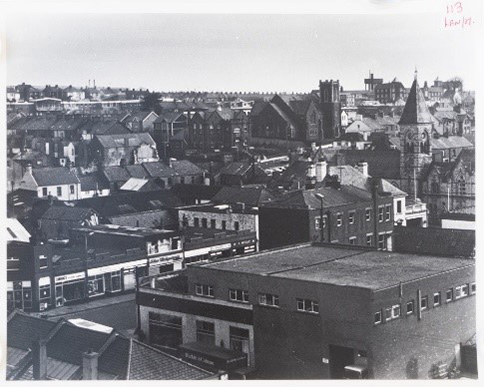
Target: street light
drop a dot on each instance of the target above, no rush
(321, 197)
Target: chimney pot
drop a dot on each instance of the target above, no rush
(39, 359)
(90, 365)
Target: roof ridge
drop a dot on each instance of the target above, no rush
(130, 354)
(112, 336)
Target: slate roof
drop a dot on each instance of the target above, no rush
(118, 140)
(147, 363)
(188, 193)
(54, 176)
(24, 329)
(258, 107)
(92, 182)
(66, 213)
(235, 168)
(415, 110)
(116, 174)
(169, 117)
(434, 241)
(358, 127)
(186, 168)
(250, 196)
(450, 142)
(300, 107)
(137, 171)
(119, 357)
(385, 164)
(307, 199)
(158, 169)
(138, 201)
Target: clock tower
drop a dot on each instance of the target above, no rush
(415, 130)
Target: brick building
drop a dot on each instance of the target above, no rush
(403, 317)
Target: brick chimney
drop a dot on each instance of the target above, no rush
(321, 170)
(89, 365)
(363, 167)
(39, 359)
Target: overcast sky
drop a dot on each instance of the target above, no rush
(234, 52)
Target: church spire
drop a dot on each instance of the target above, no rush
(416, 110)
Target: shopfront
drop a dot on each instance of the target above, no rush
(19, 295)
(165, 264)
(244, 247)
(70, 288)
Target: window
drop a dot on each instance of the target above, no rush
(268, 299)
(213, 223)
(473, 288)
(196, 222)
(317, 223)
(437, 299)
(396, 311)
(224, 224)
(236, 226)
(239, 339)
(377, 318)
(368, 214)
(461, 291)
(352, 240)
(351, 217)
(424, 303)
(388, 313)
(204, 290)
(205, 332)
(95, 285)
(339, 220)
(381, 241)
(410, 307)
(380, 214)
(238, 295)
(44, 293)
(59, 191)
(42, 261)
(71, 187)
(449, 295)
(204, 222)
(309, 306)
(369, 239)
(399, 206)
(388, 213)
(44, 191)
(165, 330)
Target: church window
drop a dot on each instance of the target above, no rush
(434, 187)
(461, 186)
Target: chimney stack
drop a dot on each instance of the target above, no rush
(311, 172)
(321, 170)
(89, 365)
(29, 168)
(39, 359)
(363, 167)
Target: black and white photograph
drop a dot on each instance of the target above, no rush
(281, 191)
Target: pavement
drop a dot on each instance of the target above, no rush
(118, 312)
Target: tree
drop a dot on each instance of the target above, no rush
(151, 103)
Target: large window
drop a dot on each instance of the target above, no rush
(204, 290)
(410, 307)
(165, 330)
(339, 219)
(380, 213)
(388, 213)
(305, 305)
(449, 295)
(239, 295)
(368, 214)
(59, 191)
(268, 299)
(369, 239)
(351, 217)
(205, 332)
(437, 299)
(95, 285)
(424, 303)
(399, 206)
(377, 317)
(239, 339)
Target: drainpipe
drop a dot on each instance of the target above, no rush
(374, 188)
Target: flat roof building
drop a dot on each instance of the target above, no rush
(325, 310)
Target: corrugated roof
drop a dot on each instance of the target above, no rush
(133, 184)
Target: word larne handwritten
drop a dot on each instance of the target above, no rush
(455, 17)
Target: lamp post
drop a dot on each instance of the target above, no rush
(321, 223)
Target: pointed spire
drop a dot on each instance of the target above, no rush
(416, 110)
(416, 73)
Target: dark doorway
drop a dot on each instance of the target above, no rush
(339, 357)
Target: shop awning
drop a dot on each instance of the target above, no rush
(212, 357)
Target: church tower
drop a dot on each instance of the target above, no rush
(415, 131)
(330, 108)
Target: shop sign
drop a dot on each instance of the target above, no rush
(70, 277)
